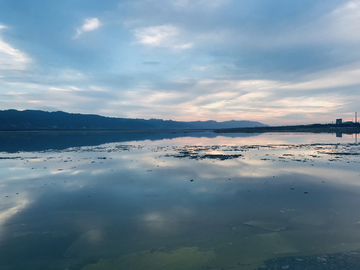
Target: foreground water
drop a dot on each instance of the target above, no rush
(257, 202)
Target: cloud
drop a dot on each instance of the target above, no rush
(337, 26)
(203, 98)
(328, 79)
(341, 25)
(66, 97)
(345, 22)
(156, 35)
(10, 212)
(151, 63)
(219, 99)
(225, 99)
(89, 25)
(196, 4)
(11, 58)
(167, 36)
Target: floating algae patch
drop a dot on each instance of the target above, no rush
(236, 251)
(249, 252)
(183, 258)
(266, 225)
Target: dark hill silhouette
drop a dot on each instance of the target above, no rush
(41, 120)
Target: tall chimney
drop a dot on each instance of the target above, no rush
(355, 117)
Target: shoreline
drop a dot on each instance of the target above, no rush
(315, 128)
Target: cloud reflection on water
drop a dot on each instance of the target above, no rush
(143, 194)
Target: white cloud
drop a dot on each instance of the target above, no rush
(345, 22)
(89, 25)
(201, 99)
(59, 89)
(318, 103)
(161, 36)
(156, 35)
(342, 25)
(225, 99)
(331, 79)
(204, 99)
(11, 58)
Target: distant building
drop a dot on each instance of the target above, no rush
(338, 121)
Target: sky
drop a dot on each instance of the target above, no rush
(275, 61)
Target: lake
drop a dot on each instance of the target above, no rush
(179, 201)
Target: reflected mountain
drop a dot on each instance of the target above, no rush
(15, 141)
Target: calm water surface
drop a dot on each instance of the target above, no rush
(182, 203)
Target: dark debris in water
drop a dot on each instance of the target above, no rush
(341, 151)
(220, 157)
(197, 156)
(338, 261)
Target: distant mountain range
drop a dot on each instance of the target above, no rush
(41, 120)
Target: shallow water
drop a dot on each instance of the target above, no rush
(202, 202)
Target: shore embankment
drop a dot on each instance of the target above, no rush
(313, 128)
